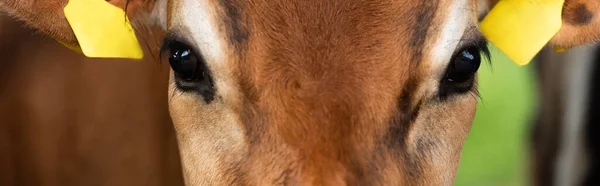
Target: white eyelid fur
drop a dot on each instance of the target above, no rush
(451, 33)
(200, 20)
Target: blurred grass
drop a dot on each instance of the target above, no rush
(495, 153)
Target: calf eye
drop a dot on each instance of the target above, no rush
(460, 73)
(189, 68)
(184, 62)
(464, 65)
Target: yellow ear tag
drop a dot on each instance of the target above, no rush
(521, 28)
(560, 49)
(102, 30)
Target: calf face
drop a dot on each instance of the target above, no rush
(333, 92)
(337, 92)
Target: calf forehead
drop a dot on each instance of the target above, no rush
(339, 42)
(300, 31)
(327, 41)
(308, 49)
(328, 21)
(330, 31)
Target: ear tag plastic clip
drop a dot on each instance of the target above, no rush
(560, 49)
(521, 28)
(102, 30)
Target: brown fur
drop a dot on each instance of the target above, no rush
(335, 134)
(581, 24)
(339, 92)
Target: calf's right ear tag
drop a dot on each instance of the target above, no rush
(521, 28)
(102, 30)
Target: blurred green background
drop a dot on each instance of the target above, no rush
(495, 153)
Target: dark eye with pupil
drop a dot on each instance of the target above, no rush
(464, 65)
(460, 73)
(183, 62)
(190, 70)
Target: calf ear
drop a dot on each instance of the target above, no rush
(48, 15)
(44, 15)
(581, 24)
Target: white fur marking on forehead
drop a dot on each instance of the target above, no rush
(457, 20)
(199, 17)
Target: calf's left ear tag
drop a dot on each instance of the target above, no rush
(102, 30)
(521, 28)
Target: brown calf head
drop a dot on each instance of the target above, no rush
(339, 92)
(322, 93)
